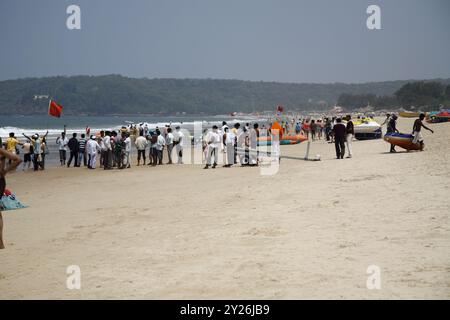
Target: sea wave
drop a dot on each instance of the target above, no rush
(189, 125)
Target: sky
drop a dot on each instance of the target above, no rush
(318, 41)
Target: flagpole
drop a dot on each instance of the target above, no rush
(48, 111)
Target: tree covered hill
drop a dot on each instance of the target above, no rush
(115, 94)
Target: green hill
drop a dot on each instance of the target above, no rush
(114, 94)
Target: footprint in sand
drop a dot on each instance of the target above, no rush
(265, 232)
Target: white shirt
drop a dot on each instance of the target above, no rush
(213, 139)
(160, 142)
(62, 143)
(92, 147)
(178, 137)
(141, 143)
(107, 143)
(253, 138)
(230, 138)
(169, 138)
(128, 144)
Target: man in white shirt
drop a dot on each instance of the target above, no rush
(169, 144)
(127, 142)
(92, 149)
(141, 144)
(62, 142)
(242, 143)
(160, 142)
(213, 147)
(254, 135)
(108, 151)
(178, 141)
(229, 138)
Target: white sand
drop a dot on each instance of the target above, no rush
(309, 231)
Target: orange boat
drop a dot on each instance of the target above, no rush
(292, 139)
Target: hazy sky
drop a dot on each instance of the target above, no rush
(269, 40)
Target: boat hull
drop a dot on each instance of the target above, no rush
(401, 140)
(285, 140)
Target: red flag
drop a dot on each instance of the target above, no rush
(54, 109)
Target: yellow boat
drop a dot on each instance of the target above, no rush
(407, 114)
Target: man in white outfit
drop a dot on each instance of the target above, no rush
(178, 141)
(213, 147)
(350, 134)
(92, 148)
(229, 138)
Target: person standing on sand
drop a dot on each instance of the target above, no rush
(235, 131)
(169, 144)
(102, 146)
(14, 161)
(229, 140)
(153, 153)
(27, 151)
(92, 148)
(62, 142)
(313, 129)
(178, 141)
(254, 135)
(37, 144)
(74, 149)
(418, 125)
(213, 147)
(107, 161)
(350, 129)
(391, 128)
(119, 150)
(12, 143)
(127, 140)
(141, 144)
(82, 150)
(386, 121)
(340, 132)
(160, 142)
(44, 152)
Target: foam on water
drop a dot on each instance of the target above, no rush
(4, 131)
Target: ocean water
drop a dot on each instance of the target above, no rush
(40, 124)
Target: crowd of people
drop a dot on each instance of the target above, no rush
(238, 143)
(112, 149)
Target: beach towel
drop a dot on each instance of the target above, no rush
(9, 202)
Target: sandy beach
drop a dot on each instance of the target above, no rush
(180, 232)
